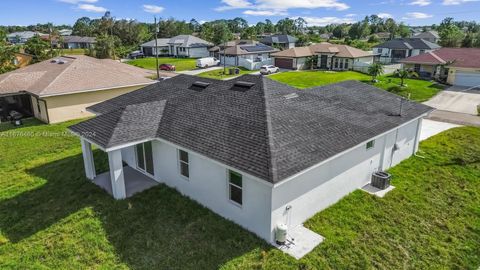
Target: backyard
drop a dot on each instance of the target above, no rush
(218, 73)
(53, 217)
(419, 90)
(150, 63)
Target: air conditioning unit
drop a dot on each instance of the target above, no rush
(381, 180)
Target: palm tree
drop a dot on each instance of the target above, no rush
(375, 70)
(405, 74)
(311, 61)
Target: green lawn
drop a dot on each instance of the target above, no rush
(419, 90)
(74, 51)
(218, 73)
(179, 63)
(52, 217)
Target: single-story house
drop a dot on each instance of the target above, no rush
(61, 89)
(395, 50)
(22, 59)
(330, 56)
(188, 46)
(21, 37)
(263, 154)
(431, 36)
(214, 51)
(149, 49)
(77, 42)
(280, 41)
(65, 32)
(456, 66)
(248, 54)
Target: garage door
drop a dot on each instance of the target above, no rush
(467, 78)
(284, 63)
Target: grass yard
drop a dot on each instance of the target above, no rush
(52, 217)
(218, 73)
(419, 90)
(150, 63)
(74, 51)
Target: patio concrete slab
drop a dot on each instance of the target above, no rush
(431, 128)
(300, 241)
(376, 191)
(135, 181)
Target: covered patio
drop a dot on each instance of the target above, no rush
(121, 181)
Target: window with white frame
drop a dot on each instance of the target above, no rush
(370, 144)
(235, 187)
(183, 163)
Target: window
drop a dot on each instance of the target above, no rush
(145, 157)
(422, 51)
(379, 50)
(341, 63)
(336, 63)
(370, 144)
(346, 63)
(183, 163)
(235, 187)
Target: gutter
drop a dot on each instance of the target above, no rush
(94, 90)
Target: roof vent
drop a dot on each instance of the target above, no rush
(199, 86)
(242, 85)
(54, 61)
(61, 61)
(290, 96)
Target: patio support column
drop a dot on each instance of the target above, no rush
(88, 161)
(417, 136)
(116, 174)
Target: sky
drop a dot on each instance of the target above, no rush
(315, 12)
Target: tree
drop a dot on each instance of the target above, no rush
(311, 61)
(269, 26)
(105, 46)
(375, 70)
(249, 33)
(468, 41)
(405, 74)
(7, 57)
(37, 47)
(391, 27)
(286, 26)
(299, 25)
(340, 31)
(403, 30)
(82, 27)
(194, 25)
(450, 34)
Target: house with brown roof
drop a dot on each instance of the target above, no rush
(330, 56)
(61, 89)
(249, 54)
(456, 66)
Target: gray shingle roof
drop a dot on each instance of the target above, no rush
(189, 41)
(278, 39)
(161, 42)
(271, 131)
(408, 43)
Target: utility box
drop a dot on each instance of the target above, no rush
(281, 234)
(381, 180)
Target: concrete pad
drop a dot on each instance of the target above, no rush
(456, 101)
(455, 118)
(135, 181)
(200, 70)
(300, 241)
(431, 128)
(376, 191)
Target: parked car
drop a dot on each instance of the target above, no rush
(207, 62)
(135, 55)
(167, 67)
(269, 69)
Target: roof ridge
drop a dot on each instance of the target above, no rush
(57, 77)
(437, 57)
(272, 169)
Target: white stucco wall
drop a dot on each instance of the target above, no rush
(198, 52)
(208, 185)
(322, 186)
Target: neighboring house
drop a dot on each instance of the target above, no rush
(395, 50)
(22, 59)
(77, 42)
(282, 42)
(326, 36)
(456, 66)
(251, 149)
(431, 36)
(60, 89)
(214, 51)
(188, 46)
(149, 49)
(22, 37)
(383, 36)
(65, 32)
(248, 54)
(330, 56)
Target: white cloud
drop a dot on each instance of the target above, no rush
(234, 4)
(78, 1)
(322, 21)
(350, 15)
(421, 3)
(265, 12)
(456, 2)
(385, 15)
(152, 9)
(416, 15)
(92, 8)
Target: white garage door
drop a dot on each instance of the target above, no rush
(467, 78)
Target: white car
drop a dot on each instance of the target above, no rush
(207, 62)
(269, 69)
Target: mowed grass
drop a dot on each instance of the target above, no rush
(52, 217)
(418, 90)
(150, 63)
(219, 74)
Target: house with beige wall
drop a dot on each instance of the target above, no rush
(61, 89)
(455, 66)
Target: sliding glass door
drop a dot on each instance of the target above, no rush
(145, 157)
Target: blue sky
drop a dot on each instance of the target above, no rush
(316, 12)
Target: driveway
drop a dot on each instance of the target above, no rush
(457, 99)
(198, 71)
(431, 128)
